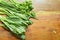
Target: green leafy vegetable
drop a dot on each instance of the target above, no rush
(17, 16)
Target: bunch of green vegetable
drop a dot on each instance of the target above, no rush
(17, 16)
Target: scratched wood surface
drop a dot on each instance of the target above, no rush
(46, 28)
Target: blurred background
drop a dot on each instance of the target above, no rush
(39, 5)
(47, 5)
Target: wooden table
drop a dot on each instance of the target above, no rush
(47, 27)
(44, 28)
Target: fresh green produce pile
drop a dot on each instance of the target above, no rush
(17, 16)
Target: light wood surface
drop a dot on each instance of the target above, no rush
(47, 27)
(46, 5)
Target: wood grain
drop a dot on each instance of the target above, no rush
(46, 5)
(47, 27)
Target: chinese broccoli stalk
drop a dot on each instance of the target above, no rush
(17, 16)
